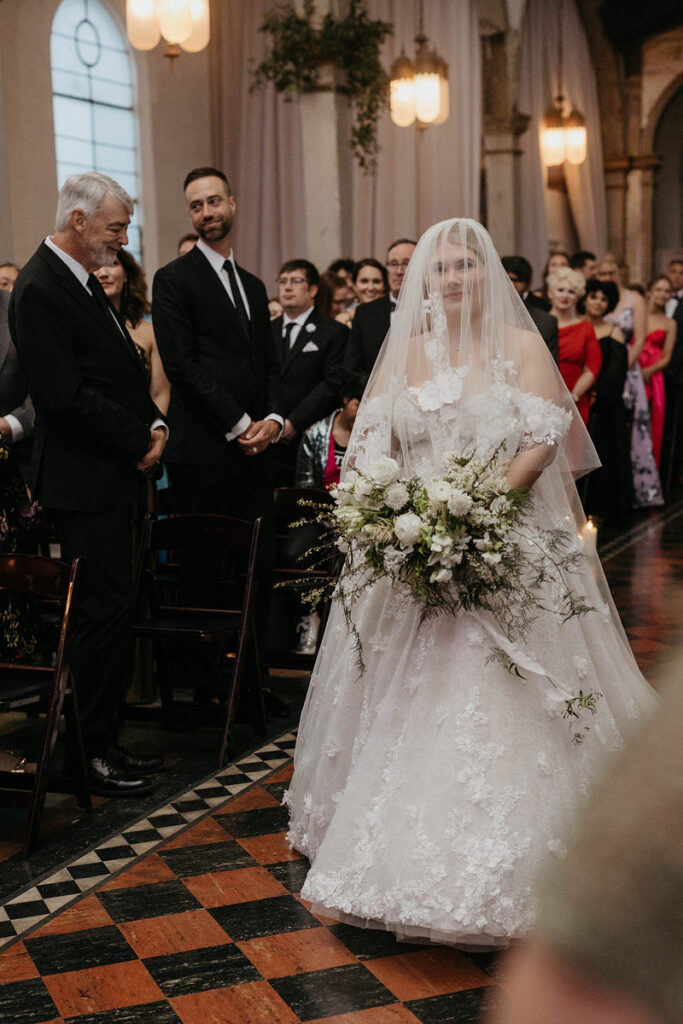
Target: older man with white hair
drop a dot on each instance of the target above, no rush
(96, 428)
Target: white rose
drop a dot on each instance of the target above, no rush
(407, 528)
(384, 470)
(396, 495)
(440, 576)
(363, 486)
(439, 491)
(393, 558)
(459, 503)
(349, 479)
(492, 557)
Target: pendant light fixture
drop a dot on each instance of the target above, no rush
(182, 23)
(563, 136)
(419, 88)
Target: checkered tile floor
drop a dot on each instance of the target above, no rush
(193, 916)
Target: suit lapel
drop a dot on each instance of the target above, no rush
(276, 330)
(105, 320)
(5, 338)
(302, 338)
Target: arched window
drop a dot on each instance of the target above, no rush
(93, 99)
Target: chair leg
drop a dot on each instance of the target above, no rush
(40, 779)
(73, 722)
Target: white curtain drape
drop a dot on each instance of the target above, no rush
(539, 83)
(422, 177)
(257, 142)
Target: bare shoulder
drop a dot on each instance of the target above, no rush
(143, 334)
(527, 343)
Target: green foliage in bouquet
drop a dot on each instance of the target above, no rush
(351, 43)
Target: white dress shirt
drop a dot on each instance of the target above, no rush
(216, 262)
(298, 322)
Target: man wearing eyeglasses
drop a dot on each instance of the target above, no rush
(310, 348)
(372, 319)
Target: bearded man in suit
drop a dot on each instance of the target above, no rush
(372, 320)
(96, 427)
(212, 326)
(310, 349)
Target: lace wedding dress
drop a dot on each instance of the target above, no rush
(428, 788)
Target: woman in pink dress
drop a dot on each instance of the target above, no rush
(580, 357)
(656, 354)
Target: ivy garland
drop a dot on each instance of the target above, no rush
(351, 43)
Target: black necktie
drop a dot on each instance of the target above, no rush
(288, 335)
(237, 298)
(97, 292)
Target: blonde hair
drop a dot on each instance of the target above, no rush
(575, 279)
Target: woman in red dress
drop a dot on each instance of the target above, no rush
(580, 356)
(656, 354)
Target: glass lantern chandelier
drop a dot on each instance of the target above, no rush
(182, 23)
(563, 136)
(419, 88)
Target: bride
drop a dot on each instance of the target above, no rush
(428, 786)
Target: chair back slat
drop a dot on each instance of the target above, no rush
(201, 531)
(36, 574)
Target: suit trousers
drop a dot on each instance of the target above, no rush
(242, 488)
(104, 635)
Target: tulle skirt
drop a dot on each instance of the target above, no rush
(428, 788)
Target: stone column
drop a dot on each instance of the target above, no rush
(501, 161)
(615, 186)
(327, 170)
(638, 240)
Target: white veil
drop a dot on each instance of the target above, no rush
(462, 342)
(458, 329)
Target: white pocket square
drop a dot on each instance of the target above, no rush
(310, 346)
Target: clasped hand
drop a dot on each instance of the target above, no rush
(157, 444)
(258, 436)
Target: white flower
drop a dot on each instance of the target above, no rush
(396, 495)
(350, 518)
(439, 491)
(363, 486)
(492, 557)
(407, 528)
(440, 575)
(384, 470)
(459, 503)
(349, 480)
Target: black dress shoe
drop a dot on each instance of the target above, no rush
(133, 763)
(107, 779)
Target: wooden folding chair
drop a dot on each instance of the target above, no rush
(55, 586)
(230, 628)
(288, 510)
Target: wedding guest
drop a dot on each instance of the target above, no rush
(344, 268)
(212, 326)
(372, 320)
(370, 282)
(556, 260)
(8, 275)
(656, 355)
(630, 314)
(124, 284)
(331, 297)
(187, 242)
(96, 425)
(518, 269)
(585, 262)
(580, 358)
(310, 350)
(609, 489)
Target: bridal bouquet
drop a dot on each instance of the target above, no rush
(463, 540)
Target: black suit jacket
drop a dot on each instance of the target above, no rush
(370, 327)
(92, 404)
(546, 325)
(217, 373)
(312, 370)
(14, 397)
